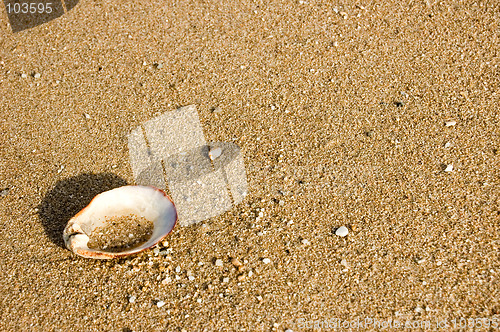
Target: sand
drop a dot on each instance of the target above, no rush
(340, 111)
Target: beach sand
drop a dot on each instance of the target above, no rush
(340, 112)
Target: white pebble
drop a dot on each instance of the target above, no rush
(215, 153)
(87, 116)
(37, 75)
(132, 299)
(191, 278)
(178, 269)
(447, 145)
(266, 260)
(450, 123)
(225, 280)
(219, 262)
(288, 330)
(342, 231)
(24, 75)
(305, 242)
(160, 304)
(198, 300)
(449, 168)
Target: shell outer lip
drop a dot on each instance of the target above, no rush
(95, 254)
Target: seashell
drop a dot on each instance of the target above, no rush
(146, 202)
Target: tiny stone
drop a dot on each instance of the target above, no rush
(447, 145)
(132, 299)
(217, 110)
(23, 75)
(198, 300)
(236, 262)
(259, 298)
(342, 231)
(449, 168)
(215, 153)
(250, 273)
(191, 278)
(241, 277)
(37, 75)
(87, 116)
(305, 242)
(450, 123)
(225, 280)
(266, 261)
(156, 251)
(288, 330)
(4, 192)
(160, 304)
(167, 280)
(178, 269)
(219, 262)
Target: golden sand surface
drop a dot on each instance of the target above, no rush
(121, 233)
(340, 110)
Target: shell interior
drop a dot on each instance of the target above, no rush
(143, 201)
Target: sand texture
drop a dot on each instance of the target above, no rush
(380, 116)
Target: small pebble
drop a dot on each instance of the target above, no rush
(37, 75)
(87, 116)
(132, 299)
(217, 110)
(447, 145)
(23, 75)
(236, 262)
(215, 153)
(241, 277)
(178, 269)
(342, 231)
(305, 242)
(160, 304)
(4, 192)
(266, 260)
(219, 262)
(449, 168)
(450, 123)
(288, 330)
(191, 278)
(225, 280)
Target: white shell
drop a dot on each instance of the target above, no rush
(148, 202)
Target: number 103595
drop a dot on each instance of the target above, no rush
(29, 8)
